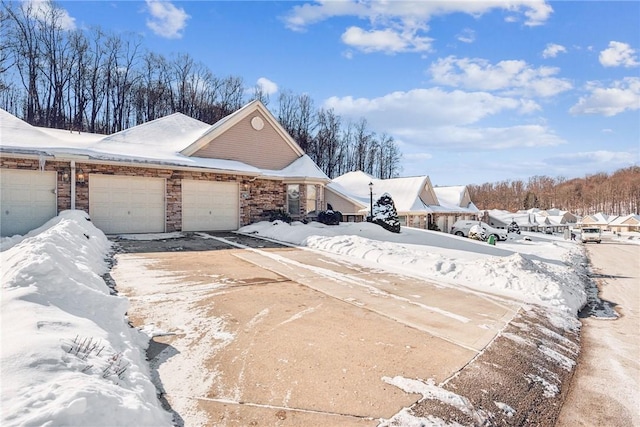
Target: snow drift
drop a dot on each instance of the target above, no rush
(68, 355)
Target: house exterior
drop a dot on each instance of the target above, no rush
(599, 220)
(416, 200)
(625, 223)
(532, 219)
(171, 174)
(454, 203)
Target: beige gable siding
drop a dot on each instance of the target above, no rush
(466, 199)
(426, 196)
(264, 149)
(339, 203)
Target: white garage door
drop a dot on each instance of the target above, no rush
(127, 204)
(209, 206)
(27, 200)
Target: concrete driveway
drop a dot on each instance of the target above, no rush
(263, 334)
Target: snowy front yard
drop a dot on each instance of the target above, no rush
(69, 356)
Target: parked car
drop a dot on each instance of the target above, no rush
(462, 227)
(591, 235)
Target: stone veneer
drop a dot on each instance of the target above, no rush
(256, 195)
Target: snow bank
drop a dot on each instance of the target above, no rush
(68, 355)
(516, 270)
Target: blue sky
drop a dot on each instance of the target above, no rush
(472, 91)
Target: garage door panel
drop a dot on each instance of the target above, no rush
(209, 205)
(27, 200)
(127, 204)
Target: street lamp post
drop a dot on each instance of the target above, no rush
(371, 201)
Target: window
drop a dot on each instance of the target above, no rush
(311, 198)
(293, 199)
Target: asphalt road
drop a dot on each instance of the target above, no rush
(605, 390)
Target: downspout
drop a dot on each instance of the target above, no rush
(73, 184)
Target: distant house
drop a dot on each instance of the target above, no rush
(171, 174)
(599, 220)
(625, 223)
(532, 220)
(526, 221)
(418, 203)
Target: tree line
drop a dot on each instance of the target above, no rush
(617, 193)
(99, 82)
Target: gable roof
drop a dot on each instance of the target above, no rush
(159, 142)
(455, 197)
(405, 192)
(228, 122)
(632, 219)
(598, 218)
(18, 133)
(158, 139)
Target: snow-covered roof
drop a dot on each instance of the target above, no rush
(405, 192)
(598, 218)
(632, 219)
(409, 194)
(450, 195)
(158, 142)
(453, 199)
(303, 167)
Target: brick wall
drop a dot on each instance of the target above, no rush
(256, 195)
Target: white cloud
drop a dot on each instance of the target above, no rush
(423, 107)
(467, 35)
(552, 50)
(436, 118)
(512, 77)
(403, 24)
(43, 9)
(490, 138)
(622, 95)
(619, 55)
(166, 19)
(267, 85)
(596, 159)
(387, 40)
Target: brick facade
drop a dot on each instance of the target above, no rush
(256, 195)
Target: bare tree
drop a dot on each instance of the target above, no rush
(23, 43)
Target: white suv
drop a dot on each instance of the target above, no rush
(462, 227)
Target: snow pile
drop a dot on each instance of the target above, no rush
(518, 269)
(68, 355)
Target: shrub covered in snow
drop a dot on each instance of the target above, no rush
(278, 215)
(385, 214)
(330, 217)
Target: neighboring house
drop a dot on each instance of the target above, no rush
(454, 203)
(625, 223)
(416, 201)
(599, 220)
(526, 221)
(532, 220)
(171, 174)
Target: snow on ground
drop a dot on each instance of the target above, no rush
(69, 356)
(545, 271)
